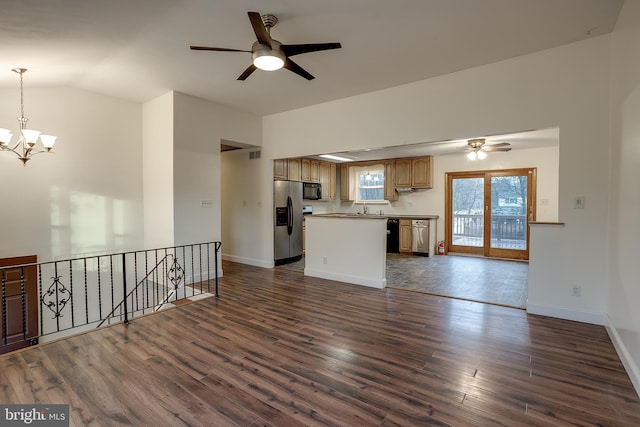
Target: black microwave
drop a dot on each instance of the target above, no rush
(311, 191)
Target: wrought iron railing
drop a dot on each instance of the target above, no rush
(503, 227)
(77, 294)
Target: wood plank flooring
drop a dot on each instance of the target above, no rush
(281, 349)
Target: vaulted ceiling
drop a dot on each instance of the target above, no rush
(139, 49)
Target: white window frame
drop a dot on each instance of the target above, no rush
(363, 170)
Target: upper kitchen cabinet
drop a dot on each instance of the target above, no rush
(422, 172)
(333, 183)
(390, 192)
(415, 172)
(344, 183)
(294, 170)
(314, 171)
(328, 180)
(305, 170)
(281, 169)
(403, 172)
(309, 170)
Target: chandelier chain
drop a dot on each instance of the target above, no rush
(21, 97)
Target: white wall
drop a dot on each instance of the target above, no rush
(431, 202)
(200, 125)
(87, 197)
(157, 166)
(565, 87)
(624, 227)
(243, 201)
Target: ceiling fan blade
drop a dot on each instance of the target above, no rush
(297, 49)
(500, 144)
(217, 49)
(495, 148)
(258, 27)
(246, 73)
(292, 66)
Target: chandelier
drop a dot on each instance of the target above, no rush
(25, 147)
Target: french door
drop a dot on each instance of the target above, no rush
(488, 212)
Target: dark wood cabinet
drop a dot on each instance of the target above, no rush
(19, 304)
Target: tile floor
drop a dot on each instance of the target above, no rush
(487, 280)
(471, 278)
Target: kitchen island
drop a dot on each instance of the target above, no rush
(348, 248)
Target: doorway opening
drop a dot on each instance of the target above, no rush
(487, 213)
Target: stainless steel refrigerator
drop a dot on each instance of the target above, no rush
(287, 201)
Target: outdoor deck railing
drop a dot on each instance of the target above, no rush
(503, 227)
(77, 294)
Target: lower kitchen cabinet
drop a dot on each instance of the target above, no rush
(405, 235)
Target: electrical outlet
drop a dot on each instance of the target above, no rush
(578, 202)
(325, 261)
(576, 291)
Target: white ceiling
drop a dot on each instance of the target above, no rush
(541, 138)
(139, 49)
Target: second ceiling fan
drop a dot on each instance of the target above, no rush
(269, 54)
(477, 148)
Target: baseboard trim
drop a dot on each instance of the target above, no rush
(567, 314)
(363, 281)
(624, 354)
(248, 261)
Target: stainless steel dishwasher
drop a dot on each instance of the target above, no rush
(420, 244)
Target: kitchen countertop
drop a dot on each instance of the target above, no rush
(374, 216)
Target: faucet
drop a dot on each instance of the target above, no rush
(365, 210)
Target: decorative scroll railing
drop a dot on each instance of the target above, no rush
(503, 227)
(77, 294)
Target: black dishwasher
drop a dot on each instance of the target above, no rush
(393, 235)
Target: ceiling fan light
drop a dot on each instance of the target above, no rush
(268, 59)
(481, 155)
(471, 155)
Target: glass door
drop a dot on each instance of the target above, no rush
(488, 212)
(467, 214)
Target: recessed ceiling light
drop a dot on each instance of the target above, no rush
(332, 157)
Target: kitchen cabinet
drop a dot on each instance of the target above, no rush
(344, 183)
(328, 180)
(332, 182)
(414, 172)
(390, 192)
(422, 172)
(281, 169)
(305, 170)
(405, 236)
(294, 170)
(325, 180)
(403, 172)
(314, 171)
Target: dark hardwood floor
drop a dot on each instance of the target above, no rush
(281, 349)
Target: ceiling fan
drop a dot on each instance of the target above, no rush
(269, 54)
(477, 148)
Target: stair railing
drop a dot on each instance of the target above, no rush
(74, 295)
